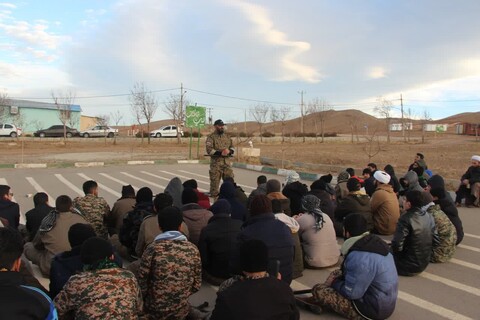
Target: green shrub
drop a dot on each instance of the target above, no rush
(267, 134)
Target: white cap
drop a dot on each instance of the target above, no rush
(476, 158)
(292, 176)
(381, 177)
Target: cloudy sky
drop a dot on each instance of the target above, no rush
(231, 55)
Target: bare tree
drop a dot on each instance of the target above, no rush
(64, 102)
(283, 114)
(372, 147)
(4, 106)
(384, 109)
(103, 120)
(425, 119)
(353, 123)
(319, 108)
(259, 113)
(144, 104)
(408, 118)
(116, 117)
(274, 116)
(175, 108)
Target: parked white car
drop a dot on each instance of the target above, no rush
(99, 131)
(10, 130)
(166, 131)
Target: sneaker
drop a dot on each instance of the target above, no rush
(308, 303)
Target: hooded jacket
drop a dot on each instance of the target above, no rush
(11, 211)
(412, 178)
(385, 209)
(355, 202)
(448, 207)
(413, 241)
(196, 218)
(369, 278)
(228, 192)
(436, 181)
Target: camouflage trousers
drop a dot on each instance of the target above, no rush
(219, 169)
(329, 299)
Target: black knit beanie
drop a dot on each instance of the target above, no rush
(253, 256)
(79, 233)
(144, 194)
(95, 250)
(221, 206)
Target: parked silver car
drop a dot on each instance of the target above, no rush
(166, 131)
(99, 131)
(10, 130)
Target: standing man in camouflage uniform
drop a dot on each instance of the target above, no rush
(219, 147)
(170, 270)
(103, 290)
(93, 208)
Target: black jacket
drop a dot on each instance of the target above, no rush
(19, 302)
(413, 240)
(451, 211)
(10, 211)
(216, 242)
(275, 234)
(34, 218)
(295, 192)
(265, 298)
(472, 174)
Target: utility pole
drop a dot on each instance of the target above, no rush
(245, 121)
(403, 121)
(301, 116)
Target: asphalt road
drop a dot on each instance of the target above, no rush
(444, 291)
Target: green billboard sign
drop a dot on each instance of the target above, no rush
(195, 117)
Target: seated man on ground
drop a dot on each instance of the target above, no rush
(103, 290)
(18, 301)
(114, 220)
(170, 270)
(384, 205)
(203, 199)
(216, 242)
(93, 208)
(52, 236)
(68, 263)
(447, 236)
(194, 216)
(274, 192)
(9, 210)
(263, 225)
(355, 202)
(227, 192)
(261, 189)
(470, 185)
(366, 287)
(294, 190)
(255, 294)
(439, 195)
(317, 235)
(35, 216)
(414, 238)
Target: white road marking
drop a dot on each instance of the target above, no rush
(102, 186)
(186, 177)
(69, 184)
(38, 188)
(465, 264)
(123, 183)
(471, 235)
(143, 180)
(155, 176)
(192, 173)
(424, 304)
(468, 248)
(451, 283)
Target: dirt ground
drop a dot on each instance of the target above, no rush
(447, 155)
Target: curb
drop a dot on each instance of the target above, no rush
(29, 165)
(133, 162)
(188, 161)
(89, 164)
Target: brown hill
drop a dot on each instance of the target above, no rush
(470, 117)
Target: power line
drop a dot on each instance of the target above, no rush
(95, 97)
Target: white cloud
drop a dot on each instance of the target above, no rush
(35, 34)
(7, 5)
(377, 73)
(281, 57)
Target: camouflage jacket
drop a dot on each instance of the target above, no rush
(102, 294)
(446, 234)
(169, 273)
(217, 142)
(94, 209)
